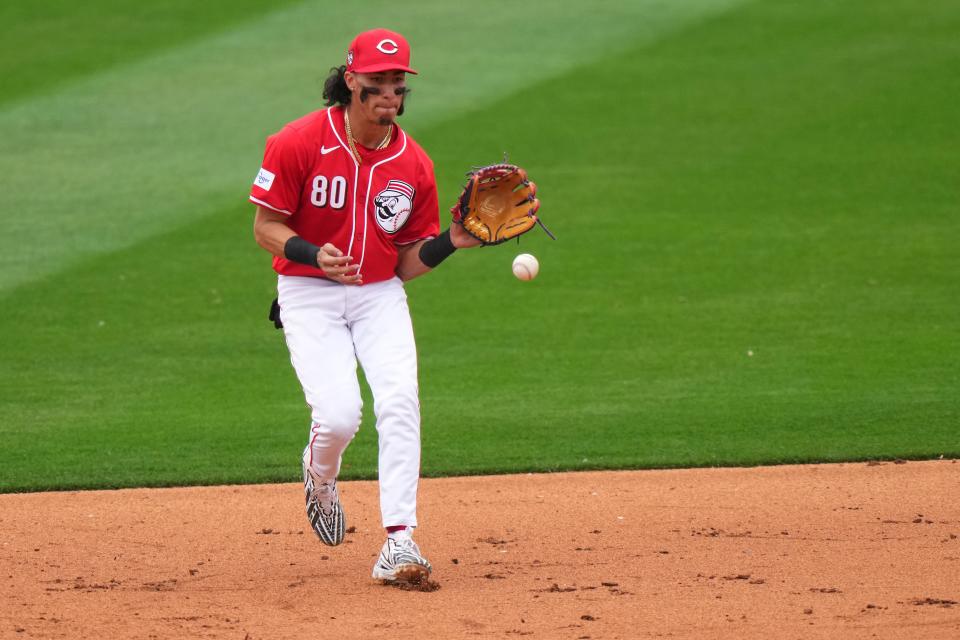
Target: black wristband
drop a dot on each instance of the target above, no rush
(299, 250)
(433, 252)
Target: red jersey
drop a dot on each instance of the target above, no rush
(364, 210)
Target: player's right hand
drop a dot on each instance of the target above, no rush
(338, 267)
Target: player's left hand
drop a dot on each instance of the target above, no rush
(461, 239)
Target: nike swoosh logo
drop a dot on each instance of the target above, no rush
(326, 150)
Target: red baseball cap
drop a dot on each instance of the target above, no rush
(379, 50)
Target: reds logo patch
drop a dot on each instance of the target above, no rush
(394, 205)
(388, 46)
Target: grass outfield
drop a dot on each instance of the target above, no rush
(725, 179)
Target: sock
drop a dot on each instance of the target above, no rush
(397, 529)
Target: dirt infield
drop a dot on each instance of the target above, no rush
(828, 551)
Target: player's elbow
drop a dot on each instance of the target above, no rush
(269, 231)
(406, 273)
(409, 265)
(260, 235)
(410, 275)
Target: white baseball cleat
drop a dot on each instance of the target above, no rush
(401, 561)
(323, 508)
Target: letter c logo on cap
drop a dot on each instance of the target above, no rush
(387, 46)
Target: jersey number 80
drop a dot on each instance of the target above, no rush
(332, 192)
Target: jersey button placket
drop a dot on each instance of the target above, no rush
(360, 224)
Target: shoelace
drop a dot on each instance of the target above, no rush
(325, 495)
(406, 546)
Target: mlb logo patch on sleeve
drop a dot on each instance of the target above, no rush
(264, 179)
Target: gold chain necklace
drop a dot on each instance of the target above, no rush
(353, 145)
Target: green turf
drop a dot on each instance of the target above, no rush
(50, 42)
(778, 180)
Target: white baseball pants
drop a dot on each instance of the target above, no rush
(328, 327)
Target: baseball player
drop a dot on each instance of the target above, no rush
(347, 204)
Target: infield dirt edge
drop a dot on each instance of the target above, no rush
(842, 550)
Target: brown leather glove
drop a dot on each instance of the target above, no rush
(498, 202)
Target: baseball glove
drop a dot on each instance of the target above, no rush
(498, 202)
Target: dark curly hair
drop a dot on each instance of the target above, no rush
(335, 90)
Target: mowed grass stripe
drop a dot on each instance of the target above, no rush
(142, 148)
(48, 43)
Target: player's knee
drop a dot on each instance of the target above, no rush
(337, 425)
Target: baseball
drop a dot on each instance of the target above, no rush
(525, 266)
